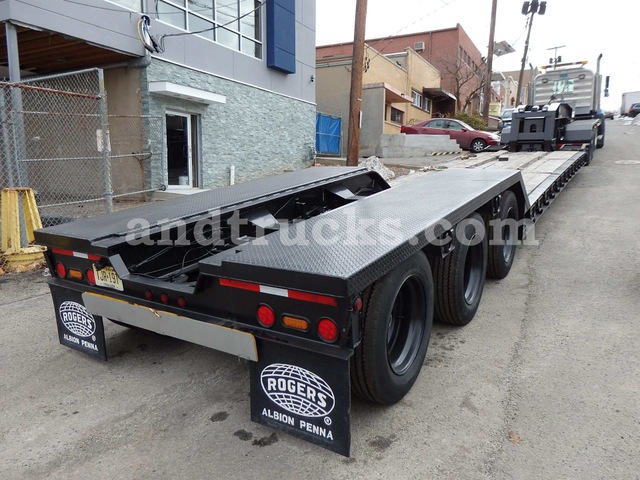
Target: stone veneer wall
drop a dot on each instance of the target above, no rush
(259, 132)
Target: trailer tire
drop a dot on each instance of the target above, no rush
(460, 276)
(396, 330)
(502, 254)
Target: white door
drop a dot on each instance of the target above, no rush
(181, 163)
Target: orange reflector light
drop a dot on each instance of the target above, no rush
(266, 316)
(75, 274)
(328, 330)
(296, 323)
(61, 270)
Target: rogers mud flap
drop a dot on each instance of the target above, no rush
(303, 392)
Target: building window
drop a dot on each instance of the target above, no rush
(135, 5)
(233, 23)
(397, 116)
(417, 99)
(427, 105)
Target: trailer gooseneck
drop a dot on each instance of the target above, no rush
(326, 279)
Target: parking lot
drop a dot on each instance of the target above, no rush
(544, 383)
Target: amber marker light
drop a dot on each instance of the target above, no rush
(75, 274)
(295, 323)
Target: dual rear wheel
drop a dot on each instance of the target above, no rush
(401, 306)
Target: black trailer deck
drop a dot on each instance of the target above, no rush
(366, 239)
(544, 174)
(104, 232)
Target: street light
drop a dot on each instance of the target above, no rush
(532, 7)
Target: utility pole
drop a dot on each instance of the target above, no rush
(357, 67)
(532, 7)
(556, 59)
(487, 83)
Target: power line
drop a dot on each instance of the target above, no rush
(390, 37)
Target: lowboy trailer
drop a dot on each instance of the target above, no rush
(326, 279)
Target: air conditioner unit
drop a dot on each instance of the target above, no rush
(418, 46)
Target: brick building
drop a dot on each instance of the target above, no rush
(450, 50)
(398, 89)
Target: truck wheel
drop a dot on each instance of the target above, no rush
(592, 147)
(601, 134)
(501, 256)
(478, 145)
(459, 277)
(395, 333)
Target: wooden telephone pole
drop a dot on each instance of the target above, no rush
(487, 82)
(357, 67)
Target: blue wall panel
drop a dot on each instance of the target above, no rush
(281, 35)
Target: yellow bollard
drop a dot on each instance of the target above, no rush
(17, 257)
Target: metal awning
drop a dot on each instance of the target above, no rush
(44, 52)
(439, 94)
(392, 95)
(187, 93)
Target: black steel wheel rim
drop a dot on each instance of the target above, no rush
(406, 324)
(473, 271)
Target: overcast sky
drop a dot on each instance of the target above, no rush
(586, 27)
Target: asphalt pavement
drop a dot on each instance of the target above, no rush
(544, 383)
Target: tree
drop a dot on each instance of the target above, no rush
(466, 81)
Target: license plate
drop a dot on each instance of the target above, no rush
(107, 277)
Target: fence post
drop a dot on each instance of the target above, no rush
(7, 165)
(105, 143)
(17, 110)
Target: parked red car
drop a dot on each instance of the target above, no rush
(466, 136)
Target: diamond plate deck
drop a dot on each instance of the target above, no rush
(539, 169)
(87, 231)
(397, 222)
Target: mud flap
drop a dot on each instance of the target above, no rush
(306, 394)
(77, 328)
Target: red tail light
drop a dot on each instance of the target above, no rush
(148, 294)
(357, 304)
(328, 330)
(182, 303)
(61, 270)
(266, 316)
(164, 298)
(91, 277)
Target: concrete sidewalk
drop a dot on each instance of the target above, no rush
(410, 163)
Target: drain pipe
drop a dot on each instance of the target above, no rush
(232, 174)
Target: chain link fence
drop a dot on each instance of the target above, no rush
(58, 138)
